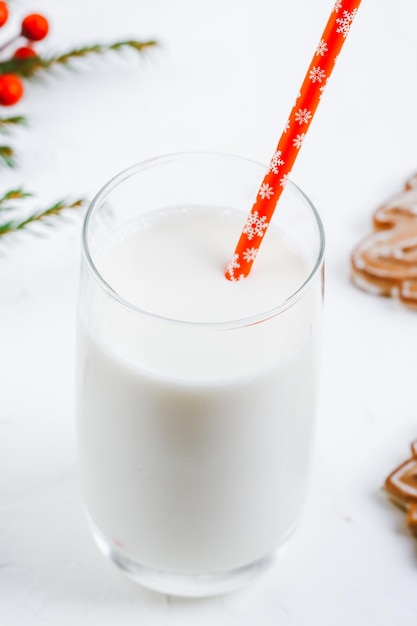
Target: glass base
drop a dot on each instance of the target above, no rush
(185, 585)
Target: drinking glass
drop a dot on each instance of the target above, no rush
(195, 432)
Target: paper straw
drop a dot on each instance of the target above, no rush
(321, 66)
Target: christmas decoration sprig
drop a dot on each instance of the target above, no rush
(31, 66)
(7, 156)
(15, 225)
(7, 122)
(26, 64)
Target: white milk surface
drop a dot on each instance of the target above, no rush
(195, 443)
(173, 264)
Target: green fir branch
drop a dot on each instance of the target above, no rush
(7, 122)
(32, 66)
(13, 194)
(13, 226)
(7, 156)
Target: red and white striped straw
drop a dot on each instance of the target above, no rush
(321, 66)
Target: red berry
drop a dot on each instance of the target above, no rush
(4, 13)
(11, 89)
(24, 53)
(35, 27)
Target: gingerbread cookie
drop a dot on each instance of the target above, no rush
(412, 518)
(401, 486)
(385, 262)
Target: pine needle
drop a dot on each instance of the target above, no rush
(32, 66)
(13, 226)
(7, 122)
(7, 156)
(13, 194)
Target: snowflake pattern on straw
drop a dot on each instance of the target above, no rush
(297, 142)
(266, 191)
(250, 254)
(232, 266)
(303, 116)
(345, 22)
(276, 162)
(292, 138)
(255, 225)
(321, 48)
(317, 74)
(283, 181)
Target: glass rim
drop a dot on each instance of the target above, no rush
(140, 166)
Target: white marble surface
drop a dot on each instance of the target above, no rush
(224, 79)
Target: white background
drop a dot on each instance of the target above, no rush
(224, 79)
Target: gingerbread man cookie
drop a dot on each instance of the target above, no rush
(385, 262)
(401, 486)
(412, 518)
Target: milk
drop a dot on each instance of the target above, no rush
(194, 438)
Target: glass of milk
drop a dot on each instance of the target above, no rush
(196, 395)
